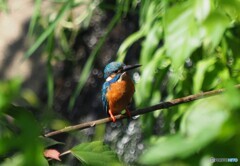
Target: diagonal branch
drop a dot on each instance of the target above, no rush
(140, 111)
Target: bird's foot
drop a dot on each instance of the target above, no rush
(112, 116)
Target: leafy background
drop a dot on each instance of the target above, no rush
(185, 47)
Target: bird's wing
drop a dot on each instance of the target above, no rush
(104, 98)
(105, 88)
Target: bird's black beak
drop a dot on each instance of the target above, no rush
(130, 67)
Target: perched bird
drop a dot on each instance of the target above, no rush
(118, 89)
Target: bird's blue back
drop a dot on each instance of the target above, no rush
(105, 87)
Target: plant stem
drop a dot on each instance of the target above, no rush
(66, 152)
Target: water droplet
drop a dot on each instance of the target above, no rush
(140, 146)
(125, 139)
(136, 77)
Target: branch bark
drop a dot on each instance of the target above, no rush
(161, 105)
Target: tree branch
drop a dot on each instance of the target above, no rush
(140, 111)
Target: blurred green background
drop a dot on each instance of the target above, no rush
(185, 47)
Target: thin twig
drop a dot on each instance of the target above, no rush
(140, 111)
(66, 152)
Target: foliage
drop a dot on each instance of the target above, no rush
(8, 91)
(18, 130)
(185, 47)
(199, 127)
(3, 5)
(94, 153)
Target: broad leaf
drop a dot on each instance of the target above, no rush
(202, 9)
(213, 28)
(95, 153)
(122, 51)
(8, 91)
(151, 43)
(50, 142)
(201, 124)
(199, 76)
(24, 139)
(182, 35)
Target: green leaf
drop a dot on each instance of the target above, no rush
(18, 160)
(49, 30)
(201, 69)
(165, 149)
(150, 73)
(8, 91)
(50, 79)
(175, 77)
(232, 93)
(25, 139)
(199, 127)
(95, 153)
(202, 9)
(231, 8)
(213, 28)
(182, 35)
(36, 14)
(151, 43)
(50, 142)
(206, 123)
(15, 160)
(4, 6)
(127, 43)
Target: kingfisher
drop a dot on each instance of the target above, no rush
(118, 89)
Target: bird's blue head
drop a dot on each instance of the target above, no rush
(112, 68)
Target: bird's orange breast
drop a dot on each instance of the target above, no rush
(119, 94)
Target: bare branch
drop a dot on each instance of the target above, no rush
(140, 111)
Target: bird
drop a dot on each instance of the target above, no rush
(118, 88)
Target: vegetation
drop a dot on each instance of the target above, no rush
(186, 47)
